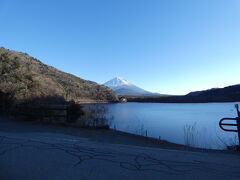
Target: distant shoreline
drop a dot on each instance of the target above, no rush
(179, 99)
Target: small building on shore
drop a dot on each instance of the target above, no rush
(123, 99)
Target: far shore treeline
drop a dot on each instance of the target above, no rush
(227, 94)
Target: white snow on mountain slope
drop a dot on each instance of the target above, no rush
(118, 81)
(123, 87)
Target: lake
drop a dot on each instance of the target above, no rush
(194, 124)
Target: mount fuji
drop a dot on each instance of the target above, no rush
(123, 87)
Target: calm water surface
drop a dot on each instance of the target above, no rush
(195, 124)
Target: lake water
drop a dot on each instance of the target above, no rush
(195, 124)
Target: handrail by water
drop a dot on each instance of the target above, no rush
(237, 119)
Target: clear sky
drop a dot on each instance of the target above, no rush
(165, 46)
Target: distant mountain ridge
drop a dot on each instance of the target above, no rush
(25, 77)
(123, 87)
(226, 92)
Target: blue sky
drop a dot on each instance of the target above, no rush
(165, 46)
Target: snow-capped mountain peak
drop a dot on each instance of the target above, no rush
(123, 87)
(117, 81)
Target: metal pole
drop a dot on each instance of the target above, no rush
(237, 108)
(238, 122)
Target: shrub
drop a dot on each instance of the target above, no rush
(190, 134)
(74, 112)
(16, 64)
(6, 102)
(18, 76)
(95, 116)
